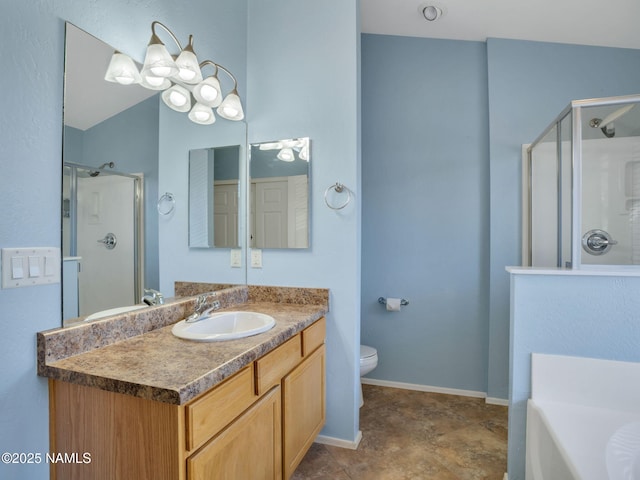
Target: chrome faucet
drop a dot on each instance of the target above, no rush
(201, 304)
(152, 297)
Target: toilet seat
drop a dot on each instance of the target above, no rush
(367, 352)
(368, 359)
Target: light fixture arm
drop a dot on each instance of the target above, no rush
(220, 67)
(166, 29)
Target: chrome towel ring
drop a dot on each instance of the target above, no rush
(166, 204)
(339, 188)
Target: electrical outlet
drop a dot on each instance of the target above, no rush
(236, 258)
(256, 258)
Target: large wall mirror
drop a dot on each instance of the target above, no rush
(279, 195)
(110, 183)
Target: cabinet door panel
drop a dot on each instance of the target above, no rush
(212, 412)
(249, 448)
(304, 408)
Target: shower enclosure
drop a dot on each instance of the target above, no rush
(101, 238)
(581, 187)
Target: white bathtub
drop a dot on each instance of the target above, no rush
(574, 442)
(583, 423)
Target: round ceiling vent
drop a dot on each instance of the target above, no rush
(431, 12)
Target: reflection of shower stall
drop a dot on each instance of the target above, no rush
(102, 239)
(581, 177)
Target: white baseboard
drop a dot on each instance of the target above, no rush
(503, 402)
(431, 389)
(339, 442)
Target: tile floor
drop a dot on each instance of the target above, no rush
(417, 435)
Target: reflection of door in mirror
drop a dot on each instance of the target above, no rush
(279, 210)
(100, 239)
(214, 175)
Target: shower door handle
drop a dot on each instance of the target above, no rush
(109, 241)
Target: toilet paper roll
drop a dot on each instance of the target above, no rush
(393, 304)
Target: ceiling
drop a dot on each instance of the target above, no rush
(88, 99)
(585, 22)
(613, 23)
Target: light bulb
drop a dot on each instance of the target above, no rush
(230, 111)
(125, 80)
(154, 81)
(177, 98)
(201, 116)
(208, 93)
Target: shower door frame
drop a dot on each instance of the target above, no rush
(138, 219)
(575, 110)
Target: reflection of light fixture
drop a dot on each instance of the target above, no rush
(179, 78)
(286, 155)
(288, 149)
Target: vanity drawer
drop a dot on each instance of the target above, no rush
(276, 364)
(210, 413)
(313, 336)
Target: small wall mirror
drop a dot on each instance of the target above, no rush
(214, 175)
(279, 198)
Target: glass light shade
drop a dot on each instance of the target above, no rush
(177, 98)
(208, 92)
(304, 152)
(202, 114)
(155, 83)
(286, 155)
(231, 108)
(158, 62)
(122, 70)
(188, 68)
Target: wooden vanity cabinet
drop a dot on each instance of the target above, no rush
(257, 424)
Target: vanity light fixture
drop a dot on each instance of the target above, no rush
(180, 79)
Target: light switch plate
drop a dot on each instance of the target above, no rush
(26, 267)
(236, 258)
(256, 258)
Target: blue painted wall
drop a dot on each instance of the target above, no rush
(425, 218)
(583, 316)
(304, 82)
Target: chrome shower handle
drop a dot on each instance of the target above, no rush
(109, 241)
(597, 242)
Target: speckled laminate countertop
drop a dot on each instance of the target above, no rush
(156, 365)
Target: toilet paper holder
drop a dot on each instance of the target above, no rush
(383, 301)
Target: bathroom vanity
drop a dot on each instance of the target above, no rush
(156, 406)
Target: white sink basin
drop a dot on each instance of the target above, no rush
(215, 327)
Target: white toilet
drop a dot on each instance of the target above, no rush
(368, 361)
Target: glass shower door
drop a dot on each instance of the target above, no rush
(610, 230)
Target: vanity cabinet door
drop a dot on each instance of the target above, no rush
(303, 397)
(249, 448)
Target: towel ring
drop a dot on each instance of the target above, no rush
(166, 204)
(339, 188)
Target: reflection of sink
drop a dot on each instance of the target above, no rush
(113, 311)
(623, 453)
(219, 326)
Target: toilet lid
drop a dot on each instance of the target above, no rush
(367, 351)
